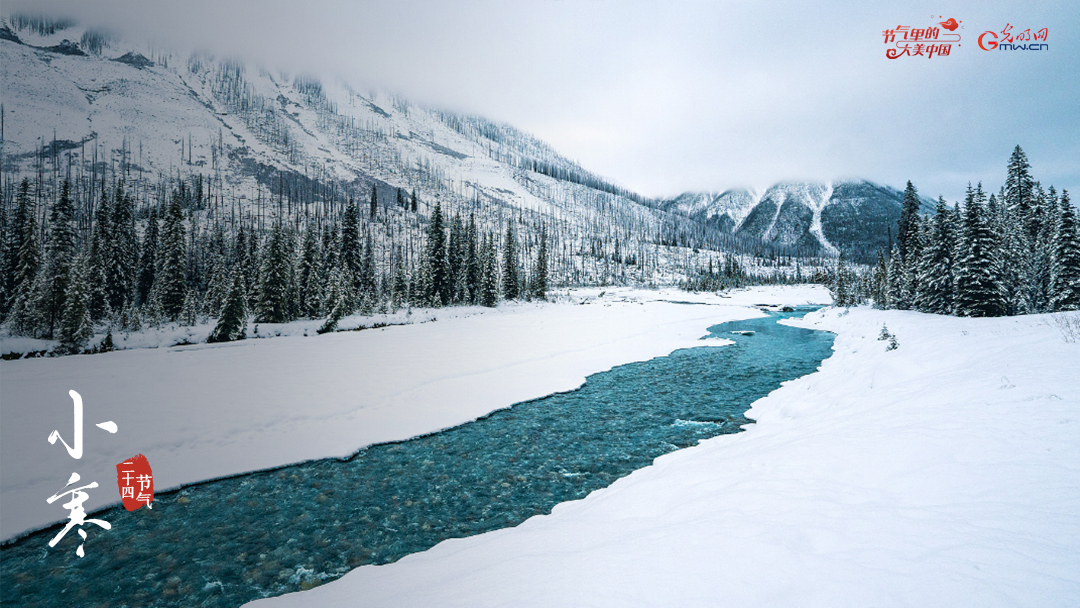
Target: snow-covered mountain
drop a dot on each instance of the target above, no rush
(824, 218)
(79, 103)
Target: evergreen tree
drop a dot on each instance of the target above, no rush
(489, 282)
(909, 216)
(76, 328)
(350, 255)
(1065, 268)
(272, 305)
(977, 290)
(399, 290)
(540, 280)
(60, 250)
(374, 201)
(414, 202)
(309, 278)
(22, 259)
(232, 322)
(441, 284)
(936, 265)
(510, 275)
(148, 258)
(171, 274)
(368, 284)
(1019, 186)
(473, 268)
(122, 252)
(337, 300)
(101, 244)
(879, 289)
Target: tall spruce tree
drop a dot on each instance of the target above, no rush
(441, 285)
(369, 287)
(101, 244)
(172, 262)
(232, 321)
(540, 280)
(350, 255)
(60, 251)
(309, 275)
(122, 252)
(510, 270)
(76, 328)
(374, 201)
(489, 280)
(1065, 261)
(977, 281)
(272, 305)
(22, 259)
(148, 257)
(936, 289)
(909, 216)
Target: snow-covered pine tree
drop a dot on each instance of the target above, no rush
(1039, 233)
(977, 282)
(148, 257)
(60, 251)
(272, 305)
(1065, 259)
(540, 270)
(100, 255)
(369, 284)
(510, 269)
(22, 259)
(122, 251)
(232, 322)
(350, 254)
(489, 280)
(473, 270)
(399, 283)
(441, 284)
(879, 290)
(309, 275)
(936, 267)
(909, 217)
(337, 300)
(76, 327)
(374, 201)
(413, 203)
(171, 274)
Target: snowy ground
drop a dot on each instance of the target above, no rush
(943, 473)
(204, 411)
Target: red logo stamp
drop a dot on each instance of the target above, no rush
(136, 482)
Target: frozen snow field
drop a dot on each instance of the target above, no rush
(943, 473)
(206, 411)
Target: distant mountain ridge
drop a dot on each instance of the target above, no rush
(853, 216)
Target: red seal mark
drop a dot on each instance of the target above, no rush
(136, 482)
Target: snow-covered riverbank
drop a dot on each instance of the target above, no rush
(205, 411)
(943, 473)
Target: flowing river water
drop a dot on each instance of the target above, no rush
(229, 541)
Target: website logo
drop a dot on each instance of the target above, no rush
(1008, 41)
(905, 40)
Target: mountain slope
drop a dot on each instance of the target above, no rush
(813, 218)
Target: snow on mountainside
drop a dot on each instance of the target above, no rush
(258, 135)
(814, 218)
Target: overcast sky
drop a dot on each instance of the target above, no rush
(665, 97)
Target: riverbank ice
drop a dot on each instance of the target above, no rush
(207, 411)
(945, 472)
